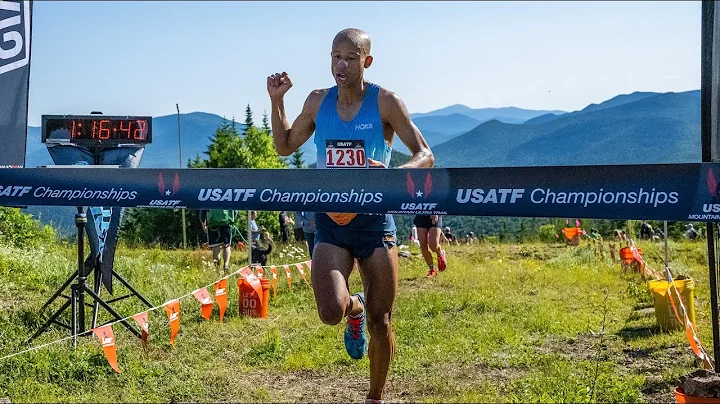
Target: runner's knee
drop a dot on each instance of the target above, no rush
(378, 324)
(331, 315)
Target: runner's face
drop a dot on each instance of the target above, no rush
(347, 64)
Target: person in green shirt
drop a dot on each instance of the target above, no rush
(216, 223)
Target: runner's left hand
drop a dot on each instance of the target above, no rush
(375, 164)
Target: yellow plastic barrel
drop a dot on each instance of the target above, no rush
(664, 313)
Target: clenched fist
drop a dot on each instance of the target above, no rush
(278, 84)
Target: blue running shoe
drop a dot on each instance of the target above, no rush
(355, 340)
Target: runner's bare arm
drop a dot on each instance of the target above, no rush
(396, 114)
(289, 138)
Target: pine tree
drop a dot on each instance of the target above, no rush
(266, 123)
(297, 159)
(248, 119)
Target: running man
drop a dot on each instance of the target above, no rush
(429, 232)
(358, 110)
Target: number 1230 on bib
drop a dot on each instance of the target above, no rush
(345, 154)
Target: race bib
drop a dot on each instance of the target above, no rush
(345, 154)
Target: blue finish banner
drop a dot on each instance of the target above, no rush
(659, 192)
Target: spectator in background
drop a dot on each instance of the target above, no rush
(309, 230)
(414, 236)
(449, 237)
(690, 232)
(646, 231)
(658, 235)
(216, 223)
(262, 250)
(298, 232)
(254, 229)
(285, 222)
(470, 238)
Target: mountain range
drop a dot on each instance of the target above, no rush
(636, 128)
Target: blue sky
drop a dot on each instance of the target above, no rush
(144, 57)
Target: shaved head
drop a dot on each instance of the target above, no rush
(356, 37)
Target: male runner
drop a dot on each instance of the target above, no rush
(428, 227)
(354, 109)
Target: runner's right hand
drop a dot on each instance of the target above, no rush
(278, 84)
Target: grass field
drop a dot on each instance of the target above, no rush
(510, 323)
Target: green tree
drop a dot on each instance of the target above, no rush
(261, 151)
(546, 233)
(297, 159)
(266, 123)
(21, 230)
(248, 118)
(196, 162)
(522, 234)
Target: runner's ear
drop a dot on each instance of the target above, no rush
(368, 61)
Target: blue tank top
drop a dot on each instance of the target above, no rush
(366, 126)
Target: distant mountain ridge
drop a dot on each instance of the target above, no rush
(643, 128)
(485, 114)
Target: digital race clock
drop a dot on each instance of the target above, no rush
(96, 129)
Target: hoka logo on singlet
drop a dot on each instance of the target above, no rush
(363, 126)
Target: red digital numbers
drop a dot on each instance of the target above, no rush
(346, 158)
(107, 130)
(125, 129)
(104, 132)
(140, 132)
(129, 130)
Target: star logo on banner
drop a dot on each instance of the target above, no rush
(420, 193)
(167, 191)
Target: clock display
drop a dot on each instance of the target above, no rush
(96, 129)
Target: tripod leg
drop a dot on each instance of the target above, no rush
(96, 288)
(73, 321)
(135, 292)
(112, 311)
(54, 317)
(80, 221)
(59, 291)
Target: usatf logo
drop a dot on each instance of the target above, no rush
(166, 192)
(712, 186)
(14, 35)
(417, 193)
(714, 191)
(226, 194)
(427, 189)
